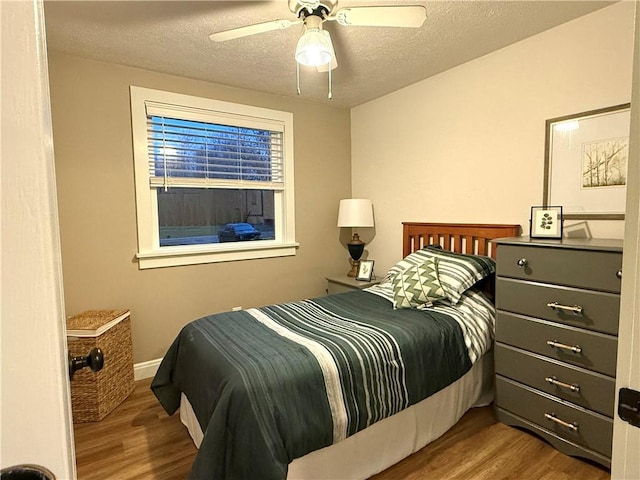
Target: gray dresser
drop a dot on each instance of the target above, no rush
(558, 303)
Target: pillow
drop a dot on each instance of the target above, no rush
(456, 271)
(415, 258)
(417, 286)
(459, 271)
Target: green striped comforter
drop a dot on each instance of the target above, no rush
(272, 384)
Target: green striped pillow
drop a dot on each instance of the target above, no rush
(456, 271)
(417, 286)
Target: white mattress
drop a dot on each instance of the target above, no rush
(388, 441)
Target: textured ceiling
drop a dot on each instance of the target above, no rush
(172, 37)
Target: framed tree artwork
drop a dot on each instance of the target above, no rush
(586, 157)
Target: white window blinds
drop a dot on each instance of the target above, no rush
(189, 147)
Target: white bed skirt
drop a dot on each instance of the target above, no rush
(388, 441)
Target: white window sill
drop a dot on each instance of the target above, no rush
(192, 255)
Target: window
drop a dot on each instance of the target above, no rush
(214, 180)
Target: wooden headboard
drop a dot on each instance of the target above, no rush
(472, 238)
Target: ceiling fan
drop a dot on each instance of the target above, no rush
(314, 47)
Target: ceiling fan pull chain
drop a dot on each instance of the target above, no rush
(330, 93)
(298, 77)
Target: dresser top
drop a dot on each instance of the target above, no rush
(602, 244)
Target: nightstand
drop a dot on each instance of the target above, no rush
(343, 283)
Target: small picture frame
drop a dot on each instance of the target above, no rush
(365, 270)
(545, 222)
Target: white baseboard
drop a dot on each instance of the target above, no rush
(146, 369)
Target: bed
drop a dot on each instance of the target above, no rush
(345, 385)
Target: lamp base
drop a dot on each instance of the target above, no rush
(356, 248)
(355, 264)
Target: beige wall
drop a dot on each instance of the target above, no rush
(94, 169)
(468, 145)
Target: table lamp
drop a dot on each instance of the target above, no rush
(354, 213)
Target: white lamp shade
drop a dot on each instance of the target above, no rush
(314, 48)
(355, 212)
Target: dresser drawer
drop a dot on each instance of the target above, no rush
(598, 351)
(591, 269)
(599, 310)
(592, 430)
(591, 390)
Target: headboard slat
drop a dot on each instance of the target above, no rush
(456, 237)
(483, 247)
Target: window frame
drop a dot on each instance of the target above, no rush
(150, 254)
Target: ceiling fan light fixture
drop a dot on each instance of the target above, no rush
(314, 48)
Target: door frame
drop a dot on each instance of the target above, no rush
(37, 426)
(625, 463)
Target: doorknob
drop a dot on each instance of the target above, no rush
(629, 406)
(94, 360)
(26, 471)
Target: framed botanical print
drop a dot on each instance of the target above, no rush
(546, 222)
(365, 270)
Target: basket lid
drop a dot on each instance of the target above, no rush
(93, 321)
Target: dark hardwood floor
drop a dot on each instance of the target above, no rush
(139, 441)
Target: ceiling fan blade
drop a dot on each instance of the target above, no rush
(389, 16)
(252, 30)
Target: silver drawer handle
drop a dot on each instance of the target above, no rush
(574, 387)
(571, 426)
(576, 309)
(522, 262)
(572, 348)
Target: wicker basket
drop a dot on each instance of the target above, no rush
(95, 394)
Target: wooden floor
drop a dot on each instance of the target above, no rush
(139, 441)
